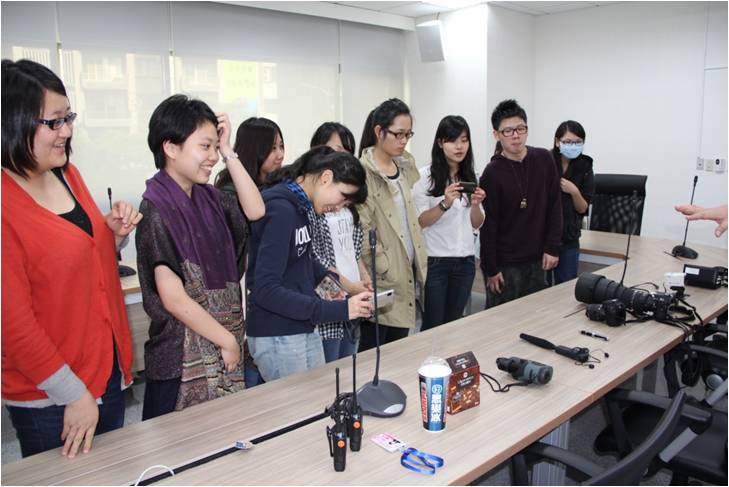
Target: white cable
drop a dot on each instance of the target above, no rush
(150, 468)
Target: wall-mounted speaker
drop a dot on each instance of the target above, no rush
(429, 41)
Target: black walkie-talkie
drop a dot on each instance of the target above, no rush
(337, 436)
(354, 418)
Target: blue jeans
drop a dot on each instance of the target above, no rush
(336, 348)
(447, 289)
(281, 356)
(252, 375)
(39, 429)
(568, 260)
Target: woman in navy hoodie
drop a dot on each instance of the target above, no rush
(283, 307)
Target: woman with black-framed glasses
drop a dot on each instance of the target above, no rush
(401, 258)
(67, 349)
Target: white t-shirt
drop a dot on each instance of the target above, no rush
(452, 235)
(402, 211)
(341, 229)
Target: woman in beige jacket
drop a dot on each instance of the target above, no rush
(401, 258)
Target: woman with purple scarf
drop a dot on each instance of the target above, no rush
(190, 258)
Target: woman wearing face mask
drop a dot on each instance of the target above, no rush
(578, 186)
(401, 258)
(450, 218)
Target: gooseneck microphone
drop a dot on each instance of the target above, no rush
(124, 270)
(682, 250)
(380, 398)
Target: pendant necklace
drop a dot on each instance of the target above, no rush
(523, 203)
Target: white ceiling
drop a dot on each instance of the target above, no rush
(547, 8)
(420, 9)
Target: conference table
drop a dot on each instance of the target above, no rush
(473, 442)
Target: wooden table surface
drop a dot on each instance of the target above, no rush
(474, 441)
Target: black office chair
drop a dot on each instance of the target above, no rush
(632, 415)
(613, 203)
(627, 471)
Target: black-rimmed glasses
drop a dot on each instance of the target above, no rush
(401, 135)
(509, 131)
(57, 123)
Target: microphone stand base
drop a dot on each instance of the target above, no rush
(685, 252)
(384, 400)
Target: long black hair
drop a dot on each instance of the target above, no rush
(322, 136)
(566, 126)
(344, 166)
(383, 116)
(24, 84)
(449, 129)
(325, 132)
(253, 143)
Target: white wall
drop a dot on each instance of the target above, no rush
(299, 70)
(633, 74)
(511, 64)
(456, 86)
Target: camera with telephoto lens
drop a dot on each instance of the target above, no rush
(594, 288)
(612, 312)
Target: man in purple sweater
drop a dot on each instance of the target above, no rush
(521, 237)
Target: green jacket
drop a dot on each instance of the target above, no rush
(393, 266)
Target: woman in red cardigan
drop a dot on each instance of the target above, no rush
(66, 347)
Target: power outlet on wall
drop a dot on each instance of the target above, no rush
(699, 163)
(709, 165)
(719, 165)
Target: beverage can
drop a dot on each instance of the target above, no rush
(434, 374)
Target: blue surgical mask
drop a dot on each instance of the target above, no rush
(570, 151)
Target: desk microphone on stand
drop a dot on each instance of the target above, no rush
(682, 250)
(124, 270)
(380, 398)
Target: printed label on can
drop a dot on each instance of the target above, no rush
(433, 402)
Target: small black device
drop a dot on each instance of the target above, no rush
(682, 250)
(525, 370)
(578, 354)
(337, 435)
(612, 312)
(347, 416)
(467, 187)
(706, 277)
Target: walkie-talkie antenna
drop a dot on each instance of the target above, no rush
(108, 192)
(630, 232)
(354, 379)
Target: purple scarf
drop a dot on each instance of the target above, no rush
(197, 226)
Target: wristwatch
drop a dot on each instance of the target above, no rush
(232, 155)
(443, 207)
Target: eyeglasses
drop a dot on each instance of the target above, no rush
(401, 135)
(57, 123)
(571, 142)
(509, 131)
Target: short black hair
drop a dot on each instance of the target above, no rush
(325, 131)
(24, 84)
(507, 109)
(175, 119)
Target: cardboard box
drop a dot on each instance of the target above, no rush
(464, 388)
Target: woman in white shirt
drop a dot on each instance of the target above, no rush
(450, 214)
